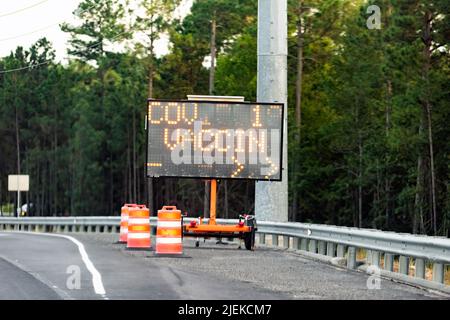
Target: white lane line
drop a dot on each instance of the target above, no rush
(96, 276)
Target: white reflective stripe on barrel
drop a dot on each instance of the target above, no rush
(132, 235)
(134, 221)
(124, 217)
(123, 230)
(169, 224)
(162, 240)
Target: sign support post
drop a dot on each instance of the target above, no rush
(271, 198)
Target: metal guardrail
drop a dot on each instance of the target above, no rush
(325, 240)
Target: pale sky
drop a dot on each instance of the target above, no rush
(20, 27)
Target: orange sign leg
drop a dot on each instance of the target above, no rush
(213, 201)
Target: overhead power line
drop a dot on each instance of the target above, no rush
(67, 57)
(22, 9)
(27, 67)
(28, 33)
(43, 28)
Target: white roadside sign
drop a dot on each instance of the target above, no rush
(18, 182)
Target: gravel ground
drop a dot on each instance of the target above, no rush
(277, 270)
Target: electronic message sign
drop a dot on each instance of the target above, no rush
(206, 139)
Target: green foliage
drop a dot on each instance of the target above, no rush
(100, 25)
(363, 158)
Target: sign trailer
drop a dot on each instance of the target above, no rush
(215, 138)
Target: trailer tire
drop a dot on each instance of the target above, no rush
(249, 240)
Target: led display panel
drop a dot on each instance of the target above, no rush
(205, 139)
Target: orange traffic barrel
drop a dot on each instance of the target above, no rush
(138, 227)
(124, 222)
(169, 231)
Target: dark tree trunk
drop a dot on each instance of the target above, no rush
(427, 39)
(296, 214)
(212, 70)
(387, 181)
(150, 192)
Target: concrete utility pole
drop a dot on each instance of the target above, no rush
(272, 197)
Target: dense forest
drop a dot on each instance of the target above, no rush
(369, 108)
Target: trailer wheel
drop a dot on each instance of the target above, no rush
(249, 240)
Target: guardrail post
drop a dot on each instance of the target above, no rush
(304, 244)
(376, 258)
(296, 243)
(286, 242)
(275, 240)
(420, 268)
(438, 272)
(262, 238)
(351, 258)
(368, 256)
(331, 249)
(340, 250)
(404, 265)
(322, 248)
(313, 246)
(389, 262)
(97, 229)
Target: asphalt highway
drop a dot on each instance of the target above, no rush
(94, 266)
